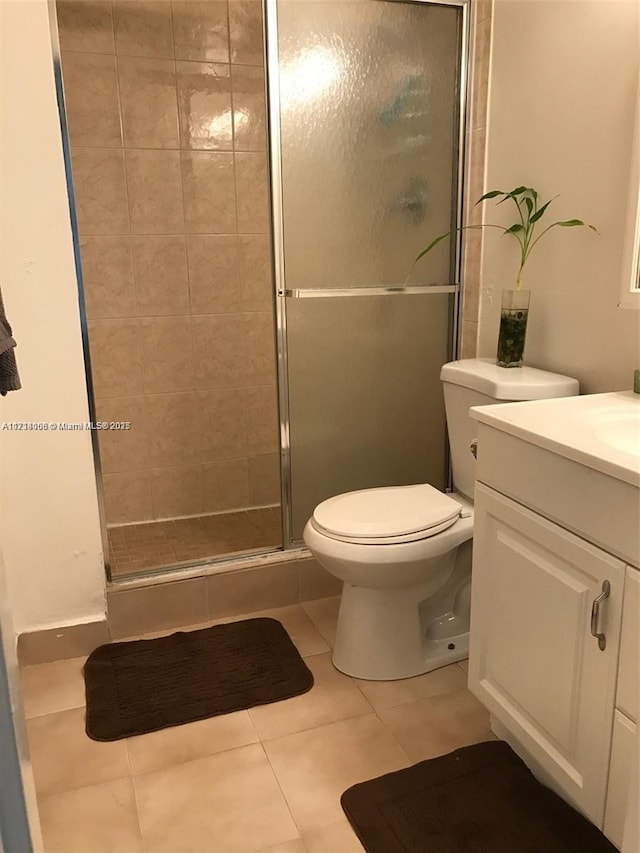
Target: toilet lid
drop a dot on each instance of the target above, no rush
(392, 511)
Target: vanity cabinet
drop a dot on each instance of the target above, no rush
(552, 532)
(535, 663)
(627, 693)
(623, 745)
(626, 715)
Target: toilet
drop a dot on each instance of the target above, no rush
(403, 553)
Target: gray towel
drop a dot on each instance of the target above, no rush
(9, 379)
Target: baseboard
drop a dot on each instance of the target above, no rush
(174, 602)
(69, 641)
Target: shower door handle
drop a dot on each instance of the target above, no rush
(380, 290)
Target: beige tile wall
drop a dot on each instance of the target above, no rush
(160, 607)
(133, 610)
(166, 111)
(481, 11)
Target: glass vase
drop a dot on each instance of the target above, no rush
(513, 327)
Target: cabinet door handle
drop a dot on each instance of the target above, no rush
(473, 447)
(595, 616)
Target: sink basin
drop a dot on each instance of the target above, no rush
(621, 431)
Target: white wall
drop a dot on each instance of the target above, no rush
(562, 90)
(17, 783)
(49, 526)
(12, 720)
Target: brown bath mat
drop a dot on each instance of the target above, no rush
(480, 799)
(145, 685)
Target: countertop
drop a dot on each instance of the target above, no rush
(601, 431)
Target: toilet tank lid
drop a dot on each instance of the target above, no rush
(508, 383)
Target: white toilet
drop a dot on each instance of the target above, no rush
(404, 552)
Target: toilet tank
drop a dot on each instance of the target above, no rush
(480, 382)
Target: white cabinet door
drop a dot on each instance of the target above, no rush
(533, 660)
(628, 687)
(622, 749)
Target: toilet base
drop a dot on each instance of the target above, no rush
(436, 655)
(390, 634)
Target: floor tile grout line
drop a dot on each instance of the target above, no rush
(41, 797)
(375, 711)
(282, 793)
(382, 722)
(135, 791)
(66, 661)
(315, 624)
(208, 623)
(315, 727)
(180, 763)
(410, 761)
(315, 654)
(259, 741)
(326, 725)
(51, 713)
(253, 726)
(416, 698)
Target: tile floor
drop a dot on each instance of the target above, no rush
(142, 547)
(267, 779)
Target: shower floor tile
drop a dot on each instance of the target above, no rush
(157, 544)
(167, 791)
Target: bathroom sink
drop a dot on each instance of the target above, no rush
(620, 431)
(601, 431)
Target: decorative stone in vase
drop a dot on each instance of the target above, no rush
(513, 327)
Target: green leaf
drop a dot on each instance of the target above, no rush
(490, 194)
(514, 229)
(431, 245)
(568, 223)
(513, 194)
(539, 213)
(529, 204)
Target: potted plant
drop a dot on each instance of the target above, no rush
(515, 303)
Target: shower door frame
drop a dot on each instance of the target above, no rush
(270, 25)
(282, 294)
(77, 261)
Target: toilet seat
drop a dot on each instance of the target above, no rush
(387, 516)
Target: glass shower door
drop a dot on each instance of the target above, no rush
(368, 125)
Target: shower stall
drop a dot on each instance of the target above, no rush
(250, 186)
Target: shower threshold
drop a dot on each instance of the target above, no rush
(155, 546)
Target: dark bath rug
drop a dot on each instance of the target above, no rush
(145, 685)
(480, 799)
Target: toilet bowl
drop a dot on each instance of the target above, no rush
(405, 597)
(403, 553)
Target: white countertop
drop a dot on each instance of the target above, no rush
(601, 431)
